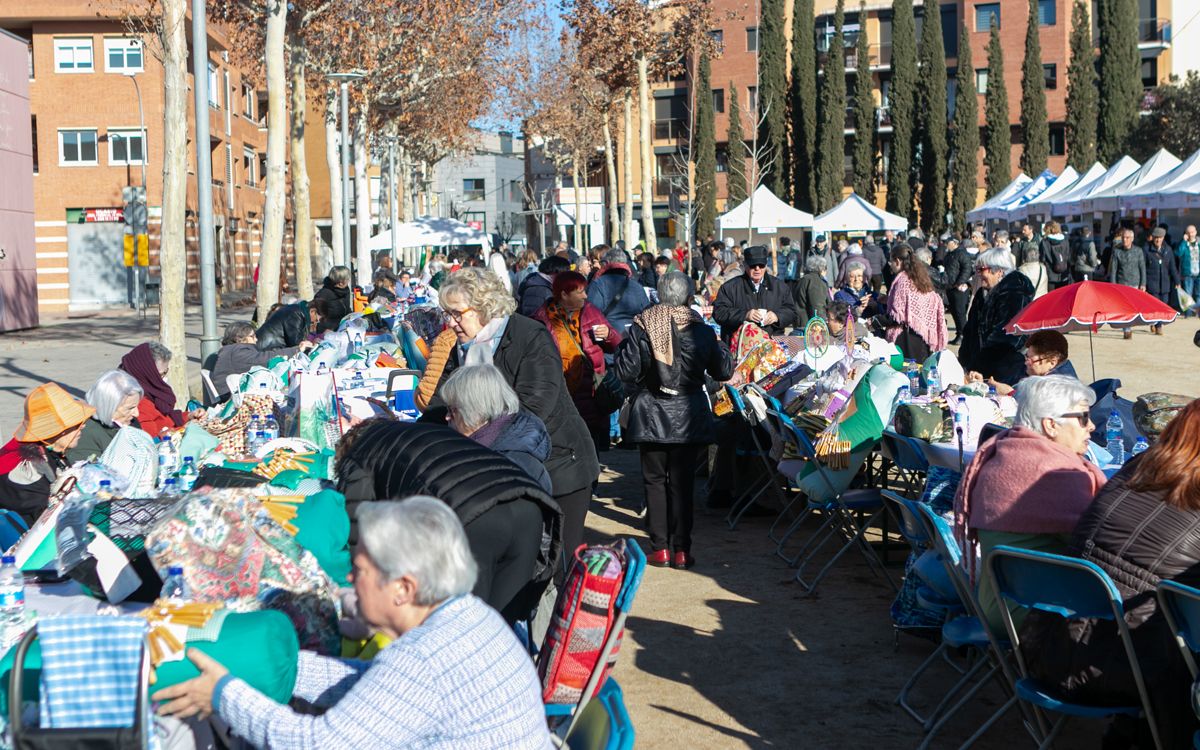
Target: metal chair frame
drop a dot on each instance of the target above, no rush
(755, 490)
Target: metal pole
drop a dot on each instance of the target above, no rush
(346, 254)
(393, 201)
(209, 341)
(138, 297)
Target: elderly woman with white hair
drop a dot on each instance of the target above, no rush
(665, 357)
(339, 301)
(986, 347)
(810, 292)
(1028, 486)
(115, 396)
(454, 676)
(480, 310)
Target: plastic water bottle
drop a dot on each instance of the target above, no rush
(252, 429)
(904, 395)
(105, 487)
(1140, 445)
(12, 600)
(992, 392)
(270, 427)
(1114, 435)
(187, 475)
(175, 589)
(914, 378)
(961, 419)
(168, 458)
(170, 488)
(260, 441)
(934, 380)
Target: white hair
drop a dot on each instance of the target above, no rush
(674, 289)
(482, 290)
(420, 537)
(816, 264)
(479, 394)
(997, 258)
(339, 274)
(1049, 396)
(109, 390)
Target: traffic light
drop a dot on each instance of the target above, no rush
(137, 243)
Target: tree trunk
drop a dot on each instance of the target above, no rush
(362, 200)
(301, 205)
(610, 163)
(333, 163)
(276, 190)
(647, 156)
(172, 254)
(577, 176)
(627, 162)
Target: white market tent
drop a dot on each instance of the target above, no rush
(1060, 184)
(432, 231)
(1010, 191)
(857, 215)
(770, 215)
(1149, 195)
(1071, 202)
(1184, 195)
(1035, 188)
(1109, 199)
(1044, 204)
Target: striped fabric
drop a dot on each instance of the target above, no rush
(91, 670)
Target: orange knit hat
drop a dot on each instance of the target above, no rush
(50, 411)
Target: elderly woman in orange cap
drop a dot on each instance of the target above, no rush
(33, 459)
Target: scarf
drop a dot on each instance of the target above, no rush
(659, 323)
(489, 433)
(482, 349)
(139, 363)
(565, 330)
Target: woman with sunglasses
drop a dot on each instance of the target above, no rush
(1028, 486)
(1045, 354)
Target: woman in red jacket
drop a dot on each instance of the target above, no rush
(583, 336)
(148, 363)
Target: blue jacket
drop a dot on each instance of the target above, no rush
(1183, 255)
(605, 288)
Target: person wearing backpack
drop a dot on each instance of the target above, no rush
(1056, 256)
(1085, 259)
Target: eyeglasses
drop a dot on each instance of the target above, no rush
(981, 269)
(757, 265)
(1082, 416)
(1037, 359)
(457, 315)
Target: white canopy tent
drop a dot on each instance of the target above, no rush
(1109, 199)
(770, 216)
(1044, 204)
(1020, 208)
(857, 215)
(1010, 191)
(1035, 188)
(1070, 203)
(1149, 194)
(431, 231)
(1183, 195)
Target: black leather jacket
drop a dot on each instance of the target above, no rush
(286, 328)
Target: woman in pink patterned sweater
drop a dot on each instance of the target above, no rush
(913, 303)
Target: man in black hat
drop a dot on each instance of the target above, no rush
(756, 297)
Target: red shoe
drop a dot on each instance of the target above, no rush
(682, 560)
(659, 558)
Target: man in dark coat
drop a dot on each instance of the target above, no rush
(756, 297)
(289, 325)
(1162, 276)
(616, 292)
(987, 348)
(960, 266)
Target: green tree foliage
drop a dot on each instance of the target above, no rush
(1081, 91)
(706, 151)
(831, 128)
(1172, 120)
(864, 119)
(964, 145)
(902, 106)
(997, 134)
(802, 101)
(1119, 75)
(735, 177)
(931, 121)
(772, 94)
(1035, 131)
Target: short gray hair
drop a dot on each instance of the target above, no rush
(109, 390)
(997, 258)
(339, 274)
(1000, 235)
(419, 537)
(616, 255)
(235, 332)
(675, 289)
(479, 394)
(924, 255)
(160, 353)
(1049, 396)
(816, 264)
(482, 290)
(855, 265)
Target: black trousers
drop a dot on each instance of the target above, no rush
(505, 542)
(668, 476)
(575, 509)
(959, 301)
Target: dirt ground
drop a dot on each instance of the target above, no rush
(729, 655)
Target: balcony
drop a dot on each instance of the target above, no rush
(879, 57)
(670, 130)
(883, 119)
(1154, 34)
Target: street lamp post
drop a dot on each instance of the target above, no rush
(393, 207)
(344, 79)
(137, 268)
(209, 341)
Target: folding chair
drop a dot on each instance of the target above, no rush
(910, 462)
(781, 424)
(211, 397)
(604, 724)
(1074, 589)
(1180, 605)
(565, 718)
(764, 482)
(401, 392)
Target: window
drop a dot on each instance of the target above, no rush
(77, 147)
(249, 167)
(126, 146)
(717, 35)
(753, 98)
(123, 55)
(1058, 140)
(473, 189)
(1150, 72)
(986, 16)
(476, 217)
(723, 159)
(752, 39)
(718, 99)
(73, 55)
(981, 75)
(1050, 75)
(248, 101)
(1047, 13)
(214, 82)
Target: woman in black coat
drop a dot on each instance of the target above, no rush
(986, 347)
(666, 355)
(512, 525)
(479, 310)
(336, 293)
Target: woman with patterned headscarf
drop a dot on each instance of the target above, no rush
(663, 361)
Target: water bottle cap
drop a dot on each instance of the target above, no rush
(8, 560)
(1114, 413)
(170, 480)
(187, 459)
(175, 570)
(105, 483)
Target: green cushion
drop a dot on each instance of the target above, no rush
(324, 530)
(290, 479)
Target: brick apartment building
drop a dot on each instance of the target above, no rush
(85, 73)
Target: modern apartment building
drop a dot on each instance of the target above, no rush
(483, 187)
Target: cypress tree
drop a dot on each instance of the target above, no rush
(902, 103)
(1081, 91)
(803, 105)
(1120, 76)
(772, 94)
(706, 151)
(864, 117)
(931, 119)
(965, 138)
(997, 133)
(735, 178)
(1035, 131)
(831, 132)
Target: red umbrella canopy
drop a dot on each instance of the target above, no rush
(1081, 306)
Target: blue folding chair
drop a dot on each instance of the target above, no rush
(783, 426)
(401, 393)
(1074, 589)
(12, 528)
(1180, 606)
(766, 480)
(604, 723)
(906, 455)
